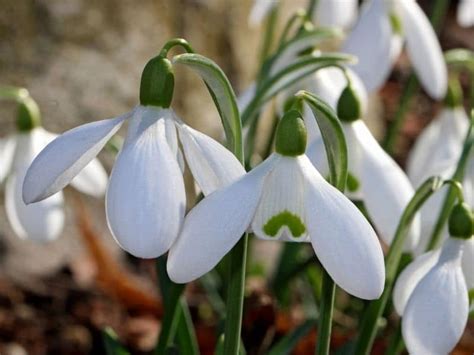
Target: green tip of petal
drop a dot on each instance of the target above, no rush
(285, 218)
(461, 223)
(291, 135)
(157, 83)
(349, 107)
(396, 23)
(28, 116)
(454, 95)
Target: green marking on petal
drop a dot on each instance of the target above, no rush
(285, 218)
(396, 23)
(352, 183)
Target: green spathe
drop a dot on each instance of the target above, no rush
(348, 106)
(28, 115)
(291, 135)
(454, 95)
(461, 221)
(285, 218)
(157, 83)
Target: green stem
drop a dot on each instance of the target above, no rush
(311, 8)
(269, 34)
(328, 293)
(369, 322)
(396, 343)
(411, 87)
(235, 296)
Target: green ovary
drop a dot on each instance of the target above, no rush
(285, 218)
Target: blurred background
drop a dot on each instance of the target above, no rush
(81, 60)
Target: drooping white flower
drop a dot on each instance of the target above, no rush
(42, 221)
(377, 40)
(260, 10)
(465, 13)
(145, 201)
(431, 295)
(375, 178)
(339, 13)
(284, 198)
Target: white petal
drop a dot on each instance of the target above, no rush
(172, 139)
(7, 149)
(468, 263)
(212, 165)
(340, 13)
(260, 10)
(385, 187)
(370, 41)
(436, 313)
(424, 49)
(215, 225)
(410, 277)
(92, 180)
(66, 156)
(145, 200)
(42, 221)
(280, 214)
(342, 238)
(465, 13)
(316, 153)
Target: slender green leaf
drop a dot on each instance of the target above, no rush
(112, 344)
(223, 95)
(374, 311)
(333, 137)
(288, 342)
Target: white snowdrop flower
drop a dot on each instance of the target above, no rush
(465, 13)
(42, 221)
(374, 177)
(378, 37)
(284, 198)
(431, 294)
(145, 202)
(339, 13)
(260, 10)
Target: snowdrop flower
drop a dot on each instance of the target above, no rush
(260, 10)
(284, 198)
(378, 37)
(339, 13)
(465, 13)
(145, 200)
(43, 221)
(436, 152)
(431, 294)
(374, 177)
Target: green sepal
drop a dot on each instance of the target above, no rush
(461, 224)
(291, 135)
(454, 95)
(28, 115)
(157, 83)
(348, 106)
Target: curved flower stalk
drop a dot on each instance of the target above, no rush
(377, 41)
(465, 13)
(374, 177)
(339, 13)
(431, 294)
(43, 221)
(145, 202)
(284, 198)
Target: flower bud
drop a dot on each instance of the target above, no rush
(291, 135)
(157, 83)
(453, 97)
(28, 115)
(461, 222)
(348, 106)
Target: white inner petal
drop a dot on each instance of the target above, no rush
(280, 213)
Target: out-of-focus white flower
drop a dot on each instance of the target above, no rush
(260, 10)
(42, 221)
(339, 13)
(375, 178)
(284, 198)
(431, 295)
(465, 13)
(145, 201)
(377, 40)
